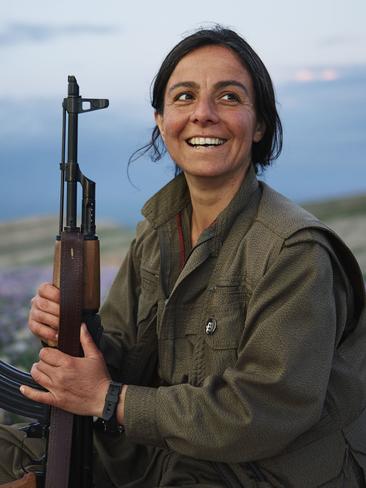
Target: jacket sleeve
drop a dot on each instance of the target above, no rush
(277, 389)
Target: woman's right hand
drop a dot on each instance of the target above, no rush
(44, 315)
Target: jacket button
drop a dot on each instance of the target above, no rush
(211, 326)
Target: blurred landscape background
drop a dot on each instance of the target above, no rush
(315, 52)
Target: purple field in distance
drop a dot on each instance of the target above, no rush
(17, 286)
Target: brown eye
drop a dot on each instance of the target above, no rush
(231, 97)
(183, 97)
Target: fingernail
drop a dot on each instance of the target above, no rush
(22, 389)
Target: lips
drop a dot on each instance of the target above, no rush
(205, 141)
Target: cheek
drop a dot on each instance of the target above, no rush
(173, 122)
(171, 131)
(245, 127)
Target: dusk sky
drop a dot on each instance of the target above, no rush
(117, 46)
(314, 50)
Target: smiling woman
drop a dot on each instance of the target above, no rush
(234, 344)
(270, 145)
(209, 123)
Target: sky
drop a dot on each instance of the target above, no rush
(314, 50)
(118, 46)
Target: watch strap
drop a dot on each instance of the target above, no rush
(111, 400)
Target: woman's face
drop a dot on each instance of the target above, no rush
(209, 122)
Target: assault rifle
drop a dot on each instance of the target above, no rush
(68, 460)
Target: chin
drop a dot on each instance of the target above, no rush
(203, 173)
(213, 171)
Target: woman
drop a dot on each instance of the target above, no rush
(235, 323)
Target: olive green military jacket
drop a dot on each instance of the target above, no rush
(253, 349)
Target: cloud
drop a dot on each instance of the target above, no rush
(19, 33)
(306, 75)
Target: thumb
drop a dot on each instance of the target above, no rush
(87, 343)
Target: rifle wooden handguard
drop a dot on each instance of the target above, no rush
(91, 301)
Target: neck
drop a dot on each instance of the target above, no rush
(209, 198)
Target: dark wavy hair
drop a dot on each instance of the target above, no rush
(270, 146)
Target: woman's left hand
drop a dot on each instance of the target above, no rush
(77, 385)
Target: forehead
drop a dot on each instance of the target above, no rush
(210, 63)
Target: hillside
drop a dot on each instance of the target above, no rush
(29, 242)
(347, 216)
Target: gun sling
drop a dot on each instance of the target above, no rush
(71, 289)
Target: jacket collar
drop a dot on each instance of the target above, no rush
(174, 197)
(167, 202)
(241, 205)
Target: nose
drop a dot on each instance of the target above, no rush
(204, 111)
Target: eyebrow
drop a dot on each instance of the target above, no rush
(225, 83)
(183, 84)
(218, 85)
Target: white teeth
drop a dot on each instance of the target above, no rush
(206, 141)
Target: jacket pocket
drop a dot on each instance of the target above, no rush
(223, 327)
(225, 318)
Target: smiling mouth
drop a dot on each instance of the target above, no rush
(205, 142)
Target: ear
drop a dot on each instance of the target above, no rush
(159, 119)
(259, 131)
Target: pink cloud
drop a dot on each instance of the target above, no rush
(306, 75)
(329, 74)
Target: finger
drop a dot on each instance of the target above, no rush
(89, 348)
(43, 332)
(44, 318)
(54, 357)
(40, 376)
(38, 396)
(49, 291)
(46, 305)
(44, 368)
